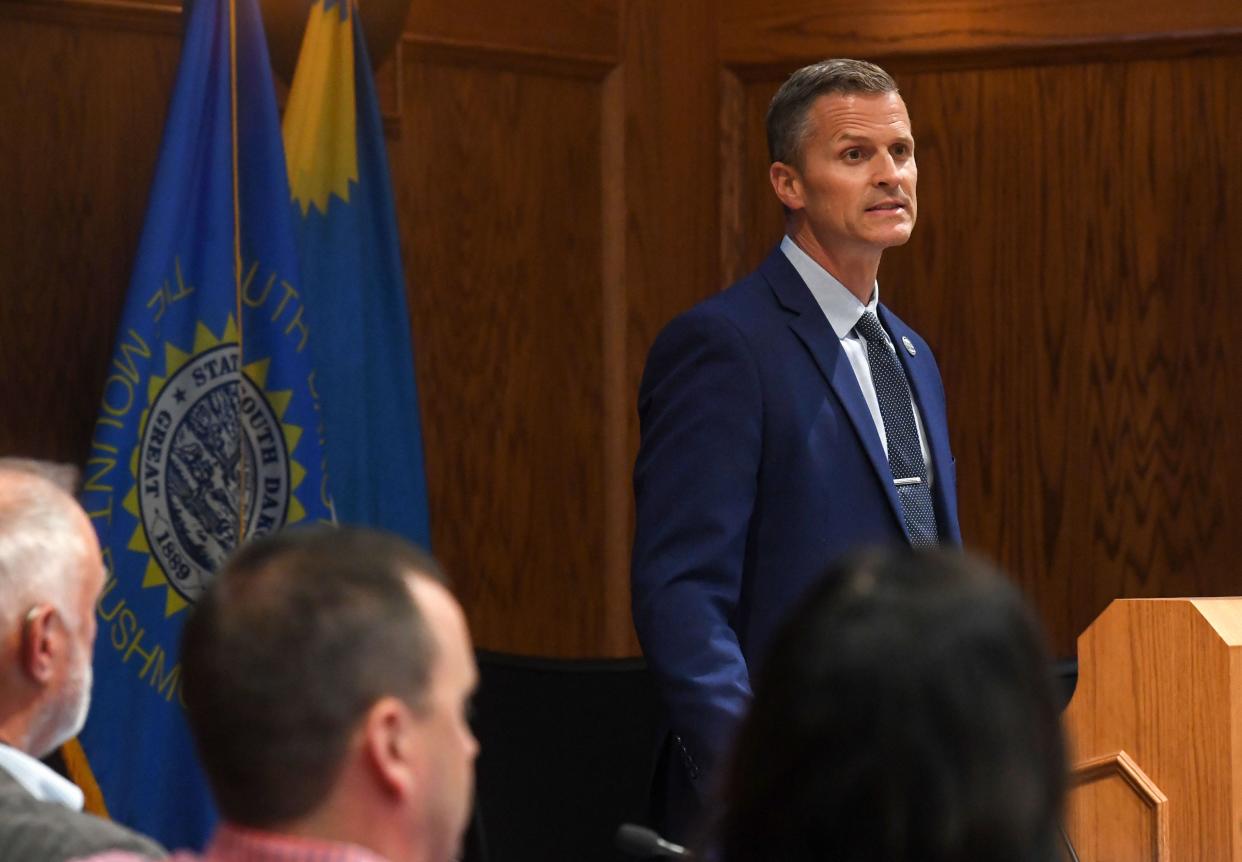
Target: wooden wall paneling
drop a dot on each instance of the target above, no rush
(584, 29)
(583, 216)
(992, 278)
(733, 177)
(617, 638)
(672, 175)
(750, 212)
(498, 176)
(564, 188)
(1091, 422)
(672, 167)
(83, 92)
(160, 16)
(1163, 365)
(796, 31)
(1072, 269)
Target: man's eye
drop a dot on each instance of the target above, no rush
(853, 155)
(901, 150)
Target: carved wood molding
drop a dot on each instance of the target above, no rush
(561, 64)
(1121, 765)
(1059, 52)
(162, 16)
(413, 47)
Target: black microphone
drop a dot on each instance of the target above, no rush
(643, 843)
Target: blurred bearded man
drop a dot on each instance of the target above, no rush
(51, 574)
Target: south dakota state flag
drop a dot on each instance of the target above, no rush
(352, 277)
(208, 431)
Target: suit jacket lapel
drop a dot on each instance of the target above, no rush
(921, 373)
(813, 329)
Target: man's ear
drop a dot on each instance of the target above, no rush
(787, 183)
(391, 745)
(42, 640)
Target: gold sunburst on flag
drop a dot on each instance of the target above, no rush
(321, 145)
(182, 548)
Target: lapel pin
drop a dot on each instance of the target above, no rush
(905, 339)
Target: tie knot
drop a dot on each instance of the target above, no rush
(868, 327)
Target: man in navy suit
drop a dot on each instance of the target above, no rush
(785, 421)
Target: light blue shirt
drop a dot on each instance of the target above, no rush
(843, 311)
(40, 782)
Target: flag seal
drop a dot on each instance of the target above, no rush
(207, 419)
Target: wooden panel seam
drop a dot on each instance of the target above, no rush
(615, 313)
(732, 181)
(128, 14)
(462, 53)
(1158, 46)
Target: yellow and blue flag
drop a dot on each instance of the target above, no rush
(208, 431)
(353, 279)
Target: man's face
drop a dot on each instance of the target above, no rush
(69, 695)
(450, 745)
(856, 185)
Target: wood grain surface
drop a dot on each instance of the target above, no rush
(1075, 274)
(574, 224)
(793, 32)
(1160, 680)
(559, 28)
(83, 108)
(1073, 269)
(571, 175)
(1116, 811)
(506, 305)
(672, 224)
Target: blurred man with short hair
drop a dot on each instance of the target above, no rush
(327, 675)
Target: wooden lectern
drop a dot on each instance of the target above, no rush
(1155, 733)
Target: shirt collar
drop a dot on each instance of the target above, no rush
(256, 845)
(841, 307)
(39, 781)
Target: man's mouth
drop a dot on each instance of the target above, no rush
(887, 205)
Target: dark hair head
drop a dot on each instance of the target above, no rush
(790, 109)
(905, 712)
(296, 638)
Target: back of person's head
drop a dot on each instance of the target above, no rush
(905, 713)
(289, 651)
(40, 540)
(51, 574)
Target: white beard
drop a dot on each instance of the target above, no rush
(64, 717)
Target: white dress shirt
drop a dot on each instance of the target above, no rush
(843, 311)
(41, 782)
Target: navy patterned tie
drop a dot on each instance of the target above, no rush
(905, 456)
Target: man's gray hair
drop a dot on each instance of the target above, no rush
(789, 113)
(62, 475)
(41, 544)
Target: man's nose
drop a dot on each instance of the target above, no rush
(886, 172)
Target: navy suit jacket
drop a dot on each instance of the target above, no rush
(759, 464)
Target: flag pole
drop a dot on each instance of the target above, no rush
(237, 290)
